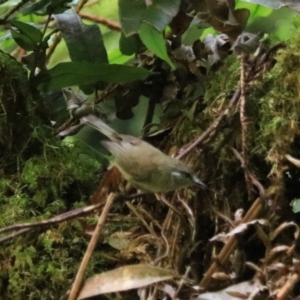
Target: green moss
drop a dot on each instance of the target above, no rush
(42, 264)
(224, 81)
(279, 102)
(273, 110)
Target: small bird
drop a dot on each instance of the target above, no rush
(141, 164)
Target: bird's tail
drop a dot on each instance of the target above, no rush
(101, 126)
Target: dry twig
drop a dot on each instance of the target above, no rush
(89, 251)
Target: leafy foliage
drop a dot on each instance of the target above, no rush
(229, 94)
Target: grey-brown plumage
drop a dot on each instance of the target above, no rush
(143, 165)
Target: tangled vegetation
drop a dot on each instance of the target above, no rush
(230, 110)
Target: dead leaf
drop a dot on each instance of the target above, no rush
(235, 292)
(239, 229)
(293, 160)
(123, 279)
(284, 226)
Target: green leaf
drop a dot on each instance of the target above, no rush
(295, 203)
(75, 73)
(276, 4)
(131, 15)
(159, 14)
(154, 41)
(23, 41)
(129, 45)
(84, 42)
(46, 7)
(116, 57)
(27, 37)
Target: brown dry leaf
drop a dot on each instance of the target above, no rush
(123, 279)
(293, 160)
(278, 266)
(110, 182)
(138, 247)
(239, 229)
(180, 22)
(221, 10)
(284, 226)
(235, 292)
(220, 14)
(221, 276)
(244, 226)
(279, 249)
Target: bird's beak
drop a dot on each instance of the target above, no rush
(198, 181)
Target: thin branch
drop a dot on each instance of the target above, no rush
(244, 126)
(89, 251)
(140, 217)
(150, 111)
(14, 235)
(288, 287)
(229, 247)
(57, 219)
(12, 11)
(25, 227)
(80, 5)
(213, 127)
(56, 40)
(252, 178)
(108, 23)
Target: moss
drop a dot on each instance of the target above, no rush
(278, 97)
(273, 110)
(41, 177)
(42, 265)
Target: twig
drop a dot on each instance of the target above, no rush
(213, 127)
(89, 251)
(25, 227)
(182, 282)
(107, 91)
(244, 126)
(136, 213)
(167, 251)
(148, 215)
(13, 235)
(288, 286)
(57, 219)
(229, 247)
(56, 40)
(12, 11)
(252, 178)
(177, 231)
(108, 23)
(150, 111)
(80, 5)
